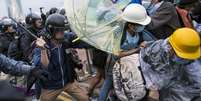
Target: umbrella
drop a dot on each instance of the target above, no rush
(97, 22)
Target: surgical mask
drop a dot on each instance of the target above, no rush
(181, 61)
(140, 28)
(137, 28)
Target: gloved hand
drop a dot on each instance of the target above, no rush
(36, 73)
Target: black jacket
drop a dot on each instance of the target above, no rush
(26, 42)
(5, 40)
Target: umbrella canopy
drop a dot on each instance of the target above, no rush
(97, 22)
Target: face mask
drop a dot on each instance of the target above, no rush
(181, 61)
(139, 28)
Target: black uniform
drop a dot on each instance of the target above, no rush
(7, 36)
(26, 40)
(5, 40)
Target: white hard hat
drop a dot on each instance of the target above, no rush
(136, 13)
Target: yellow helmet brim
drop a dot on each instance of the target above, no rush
(191, 56)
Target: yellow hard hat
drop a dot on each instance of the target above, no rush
(186, 43)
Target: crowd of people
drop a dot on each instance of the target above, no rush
(161, 39)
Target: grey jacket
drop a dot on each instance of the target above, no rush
(175, 82)
(10, 66)
(164, 21)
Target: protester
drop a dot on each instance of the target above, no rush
(183, 8)
(195, 15)
(133, 40)
(172, 66)
(136, 19)
(195, 12)
(134, 31)
(164, 18)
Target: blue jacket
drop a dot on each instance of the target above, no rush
(10, 66)
(60, 68)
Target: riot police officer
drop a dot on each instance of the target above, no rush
(58, 61)
(10, 66)
(7, 36)
(18, 68)
(34, 25)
